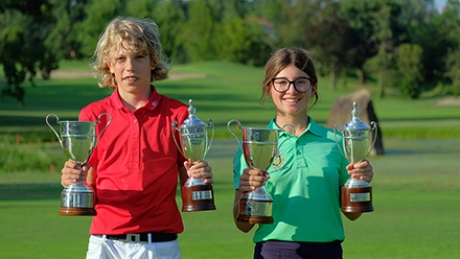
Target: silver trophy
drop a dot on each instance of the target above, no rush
(194, 145)
(78, 140)
(260, 147)
(356, 194)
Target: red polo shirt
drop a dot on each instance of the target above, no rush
(136, 165)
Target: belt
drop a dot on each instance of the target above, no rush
(142, 237)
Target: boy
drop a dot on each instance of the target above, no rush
(135, 167)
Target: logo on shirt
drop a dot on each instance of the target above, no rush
(278, 161)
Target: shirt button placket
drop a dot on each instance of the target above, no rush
(299, 156)
(135, 141)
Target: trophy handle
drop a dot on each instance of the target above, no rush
(239, 126)
(51, 127)
(337, 141)
(173, 126)
(211, 125)
(106, 125)
(293, 134)
(374, 129)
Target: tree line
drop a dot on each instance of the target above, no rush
(408, 45)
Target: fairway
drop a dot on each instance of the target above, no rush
(415, 199)
(223, 91)
(416, 187)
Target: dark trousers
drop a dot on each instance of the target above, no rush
(297, 250)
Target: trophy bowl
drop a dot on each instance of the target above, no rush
(78, 140)
(194, 145)
(356, 194)
(260, 147)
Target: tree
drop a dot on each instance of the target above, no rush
(24, 27)
(384, 36)
(202, 31)
(359, 15)
(98, 14)
(387, 34)
(453, 73)
(425, 28)
(63, 38)
(330, 38)
(451, 17)
(409, 66)
(245, 41)
(170, 17)
(290, 20)
(141, 8)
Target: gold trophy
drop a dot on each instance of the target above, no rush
(356, 194)
(194, 145)
(78, 140)
(260, 147)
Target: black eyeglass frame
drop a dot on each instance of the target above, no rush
(312, 82)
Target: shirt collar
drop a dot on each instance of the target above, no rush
(313, 127)
(153, 101)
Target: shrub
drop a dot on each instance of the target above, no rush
(28, 157)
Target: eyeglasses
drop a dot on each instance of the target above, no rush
(301, 84)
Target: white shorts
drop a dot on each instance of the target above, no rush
(104, 248)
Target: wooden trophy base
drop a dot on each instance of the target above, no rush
(242, 218)
(255, 211)
(197, 198)
(255, 219)
(261, 220)
(67, 211)
(357, 199)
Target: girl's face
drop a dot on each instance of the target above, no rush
(132, 71)
(292, 103)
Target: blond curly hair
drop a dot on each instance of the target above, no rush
(142, 37)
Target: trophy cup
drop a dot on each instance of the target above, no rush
(356, 194)
(196, 195)
(78, 140)
(260, 147)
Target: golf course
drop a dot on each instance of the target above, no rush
(416, 184)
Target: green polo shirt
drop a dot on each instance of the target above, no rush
(305, 181)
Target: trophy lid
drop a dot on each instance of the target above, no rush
(355, 124)
(192, 120)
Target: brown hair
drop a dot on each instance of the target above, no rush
(142, 37)
(283, 58)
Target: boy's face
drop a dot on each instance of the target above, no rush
(132, 71)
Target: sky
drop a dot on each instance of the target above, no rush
(439, 4)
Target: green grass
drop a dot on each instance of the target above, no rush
(29, 204)
(415, 198)
(416, 188)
